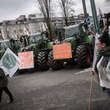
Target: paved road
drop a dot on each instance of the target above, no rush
(67, 89)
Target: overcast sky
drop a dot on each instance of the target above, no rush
(11, 9)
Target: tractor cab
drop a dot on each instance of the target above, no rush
(71, 32)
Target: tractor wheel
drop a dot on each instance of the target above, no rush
(83, 56)
(35, 62)
(55, 65)
(42, 61)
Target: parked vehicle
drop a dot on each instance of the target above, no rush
(81, 44)
(41, 46)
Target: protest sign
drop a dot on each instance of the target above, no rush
(9, 63)
(62, 51)
(27, 60)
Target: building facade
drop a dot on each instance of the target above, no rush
(22, 25)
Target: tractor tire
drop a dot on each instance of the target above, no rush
(42, 61)
(35, 62)
(83, 56)
(53, 64)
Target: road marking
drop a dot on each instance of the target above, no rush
(84, 71)
(99, 99)
(52, 106)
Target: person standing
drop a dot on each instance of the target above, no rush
(102, 62)
(3, 86)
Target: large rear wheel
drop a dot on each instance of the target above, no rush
(42, 60)
(54, 64)
(83, 56)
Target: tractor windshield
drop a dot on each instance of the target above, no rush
(35, 39)
(70, 31)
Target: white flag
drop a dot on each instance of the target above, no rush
(95, 51)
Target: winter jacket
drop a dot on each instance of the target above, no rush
(104, 75)
(3, 79)
(105, 52)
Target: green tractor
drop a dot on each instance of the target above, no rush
(41, 46)
(81, 44)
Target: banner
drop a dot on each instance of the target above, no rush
(9, 63)
(62, 51)
(27, 60)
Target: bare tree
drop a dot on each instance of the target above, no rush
(45, 8)
(67, 8)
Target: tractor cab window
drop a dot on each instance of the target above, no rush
(71, 31)
(33, 39)
(36, 38)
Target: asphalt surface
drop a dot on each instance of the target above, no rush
(66, 89)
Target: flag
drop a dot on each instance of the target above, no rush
(96, 53)
(26, 31)
(14, 35)
(101, 15)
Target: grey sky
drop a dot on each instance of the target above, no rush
(11, 9)
(102, 4)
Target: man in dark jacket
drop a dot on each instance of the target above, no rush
(3, 86)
